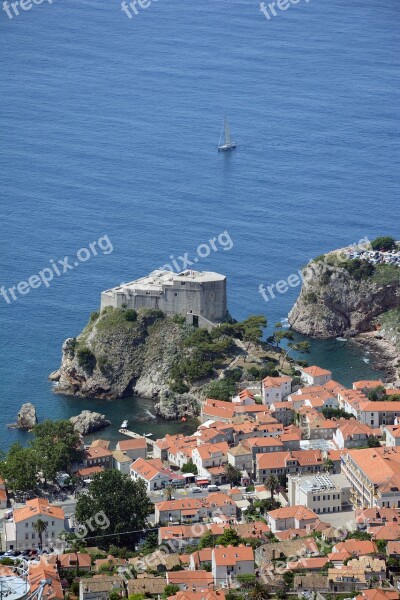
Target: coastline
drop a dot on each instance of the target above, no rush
(384, 355)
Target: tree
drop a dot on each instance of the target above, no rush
(123, 505)
(229, 538)
(259, 591)
(328, 465)
(384, 242)
(253, 329)
(246, 581)
(271, 484)
(57, 445)
(207, 540)
(170, 590)
(232, 474)
(40, 527)
(20, 468)
(377, 393)
(168, 490)
(221, 390)
(189, 467)
(301, 347)
(373, 442)
(280, 335)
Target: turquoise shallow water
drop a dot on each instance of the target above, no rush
(109, 127)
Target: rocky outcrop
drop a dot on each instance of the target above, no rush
(176, 406)
(27, 418)
(120, 354)
(334, 302)
(89, 422)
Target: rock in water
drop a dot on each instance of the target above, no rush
(27, 418)
(88, 422)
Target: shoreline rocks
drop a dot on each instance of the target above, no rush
(27, 417)
(89, 422)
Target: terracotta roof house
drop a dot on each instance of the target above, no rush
(134, 448)
(229, 562)
(315, 375)
(195, 581)
(19, 533)
(204, 595)
(282, 463)
(43, 570)
(291, 517)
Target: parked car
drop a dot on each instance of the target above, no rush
(196, 490)
(213, 488)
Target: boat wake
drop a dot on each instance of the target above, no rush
(151, 414)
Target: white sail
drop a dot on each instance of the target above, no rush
(226, 136)
(227, 133)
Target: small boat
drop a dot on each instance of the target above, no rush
(226, 134)
(124, 424)
(147, 434)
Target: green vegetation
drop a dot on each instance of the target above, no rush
(189, 467)
(205, 351)
(359, 535)
(86, 359)
(378, 393)
(221, 390)
(232, 474)
(373, 442)
(310, 298)
(271, 484)
(170, 590)
(336, 413)
(386, 274)
(124, 504)
(383, 243)
(54, 448)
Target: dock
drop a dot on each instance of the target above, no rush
(136, 436)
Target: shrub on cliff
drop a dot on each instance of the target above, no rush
(86, 359)
(222, 389)
(383, 243)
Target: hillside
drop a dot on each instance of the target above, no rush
(122, 352)
(348, 298)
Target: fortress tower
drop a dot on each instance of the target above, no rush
(199, 296)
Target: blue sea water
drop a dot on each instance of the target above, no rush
(109, 127)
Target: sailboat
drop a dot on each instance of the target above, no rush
(226, 133)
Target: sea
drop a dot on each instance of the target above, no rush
(109, 165)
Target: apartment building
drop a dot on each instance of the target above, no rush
(192, 510)
(20, 532)
(275, 389)
(283, 463)
(210, 460)
(321, 493)
(351, 434)
(374, 476)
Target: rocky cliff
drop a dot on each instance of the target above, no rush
(346, 298)
(337, 301)
(120, 353)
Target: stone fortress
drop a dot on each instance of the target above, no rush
(199, 296)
